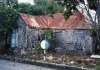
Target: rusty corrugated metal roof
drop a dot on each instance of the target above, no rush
(57, 21)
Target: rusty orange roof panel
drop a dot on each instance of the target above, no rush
(57, 21)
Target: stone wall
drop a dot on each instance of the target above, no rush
(74, 40)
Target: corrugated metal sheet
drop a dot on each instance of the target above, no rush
(57, 21)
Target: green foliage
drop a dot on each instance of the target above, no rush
(67, 14)
(45, 6)
(42, 7)
(93, 3)
(8, 18)
(37, 46)
(70, 5)
(57, 7)
(24, 8)
(37, 49)
(92, 30)
(98, 67)
(48, 33)
(9, 3)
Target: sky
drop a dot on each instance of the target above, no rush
(26, 1)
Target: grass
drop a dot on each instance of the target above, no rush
(97, 64)
(98, 67)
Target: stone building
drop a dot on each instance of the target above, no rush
(72, 34)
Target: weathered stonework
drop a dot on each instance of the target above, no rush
(75, 40)
(79, 41)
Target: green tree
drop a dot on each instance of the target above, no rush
(24, 8)
(69, 5)
(8, 18)
(41, 7)
(93, 4)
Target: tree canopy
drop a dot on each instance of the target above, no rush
(41, 7)
(24, 8)
(7, 18)
(71, 5)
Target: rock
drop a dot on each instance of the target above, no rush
(23, 52)
(60, 50)
(50, 57)
(72, 62)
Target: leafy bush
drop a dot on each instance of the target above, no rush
(8, 18)
(37, 46)
(48, 33)
(24, 8)
(98, 67)
(42, 7)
